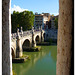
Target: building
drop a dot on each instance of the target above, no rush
(52, 23)
(47, 22)
(51, 32)
(41, 20)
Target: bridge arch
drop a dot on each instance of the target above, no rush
(44, 35)
(37, 38)
(26, 44)
(13, 52)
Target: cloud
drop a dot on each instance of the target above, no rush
(17, 8)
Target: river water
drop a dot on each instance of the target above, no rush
(41, 63)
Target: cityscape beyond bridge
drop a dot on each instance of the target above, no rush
(26, 39)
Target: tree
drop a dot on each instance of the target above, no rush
(56, 23)
(24, 19)
(52, 14)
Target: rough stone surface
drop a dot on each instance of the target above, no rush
(6, 22)
(64, 37)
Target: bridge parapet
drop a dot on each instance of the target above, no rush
(25, 33)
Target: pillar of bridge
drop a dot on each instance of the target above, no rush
(33, 40)
(19, 45)
(42, 37)
(64, 43)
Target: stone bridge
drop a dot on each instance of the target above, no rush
(26, 39)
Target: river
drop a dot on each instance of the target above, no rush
(41, 63)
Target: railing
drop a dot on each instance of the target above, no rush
(25, 33)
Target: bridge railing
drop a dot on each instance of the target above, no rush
(25, 33)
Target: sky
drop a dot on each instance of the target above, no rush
(46, 6)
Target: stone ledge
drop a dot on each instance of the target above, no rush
(20, 60)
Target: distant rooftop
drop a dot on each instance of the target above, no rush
(43, 14)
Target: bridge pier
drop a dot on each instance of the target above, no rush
(19, 46)
(40, 39)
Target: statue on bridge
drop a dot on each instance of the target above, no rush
(33, 42)
(19, 46)
(21, 32)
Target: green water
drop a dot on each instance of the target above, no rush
(41, 63)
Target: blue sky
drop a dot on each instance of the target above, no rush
(46, 6)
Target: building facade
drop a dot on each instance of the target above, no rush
(51, 32)
(41, 20)
(47, 22)
(52, 23)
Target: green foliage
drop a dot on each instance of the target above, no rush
(24, 19)
(52, 14)
(56, 23)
